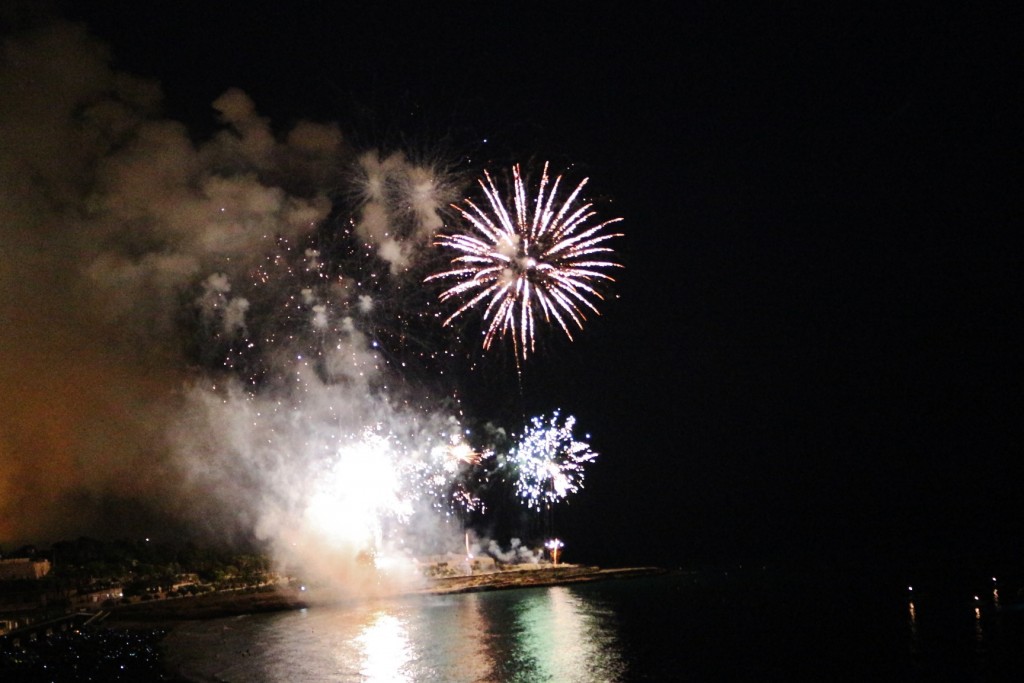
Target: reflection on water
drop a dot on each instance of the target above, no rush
(552, 634)
(757, 626)
(560, 636)
(384, 647)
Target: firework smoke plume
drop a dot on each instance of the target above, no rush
(178, 338)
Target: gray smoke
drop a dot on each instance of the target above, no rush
(134, 258)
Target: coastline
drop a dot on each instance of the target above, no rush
(528, 578)
(276, 599)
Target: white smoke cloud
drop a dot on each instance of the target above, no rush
(402, 205)
(517, 553)
(337, 475)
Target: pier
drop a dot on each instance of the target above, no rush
(43, 629)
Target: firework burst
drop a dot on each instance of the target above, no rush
(539, 259)
(549, 461)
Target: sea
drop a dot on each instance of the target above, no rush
(743, 623)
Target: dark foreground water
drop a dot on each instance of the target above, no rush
(745, 624)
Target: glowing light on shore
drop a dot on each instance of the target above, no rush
(541, 259)
(555, 546)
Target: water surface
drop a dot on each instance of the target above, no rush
(750, 624)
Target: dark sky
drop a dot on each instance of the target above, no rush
(815, 349)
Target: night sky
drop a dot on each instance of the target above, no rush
(814, 347)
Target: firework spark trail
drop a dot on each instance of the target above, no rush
(528, 267)
(549, 461)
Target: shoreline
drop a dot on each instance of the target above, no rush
(533, 578)
(277, 599)
(159, 618)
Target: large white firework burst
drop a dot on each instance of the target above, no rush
(539, 259)
(549, 461)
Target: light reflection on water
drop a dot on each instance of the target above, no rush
(385, 649)
(752, 626)
(562, 636)
(548, 634)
